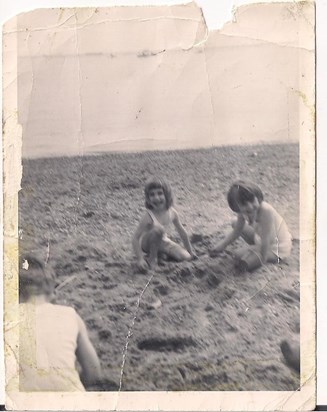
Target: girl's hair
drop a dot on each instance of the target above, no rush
(33, 279)
(155, 183)
(242, 192)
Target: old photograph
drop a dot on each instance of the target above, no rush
(162, 204)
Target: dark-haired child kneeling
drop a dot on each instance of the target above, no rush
(260, 225)
(52, 338)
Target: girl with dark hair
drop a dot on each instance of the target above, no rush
(259, 224)
(150, 237)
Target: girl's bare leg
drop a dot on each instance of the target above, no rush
(153, 240)
(174, 250)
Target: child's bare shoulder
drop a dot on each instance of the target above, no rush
(64, 309)
(266, 206)
(146, 219)
(266, 209)
(173, 213)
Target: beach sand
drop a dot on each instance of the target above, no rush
(188, 326)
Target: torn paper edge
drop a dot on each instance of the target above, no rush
(304, 399)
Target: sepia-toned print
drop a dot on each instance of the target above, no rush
(160, 217)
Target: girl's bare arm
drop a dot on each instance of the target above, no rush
(182, 233)
(87, 356)
(231, 236)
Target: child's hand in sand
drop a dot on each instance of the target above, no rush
(216, 250)
(142, 265)
(194, 256)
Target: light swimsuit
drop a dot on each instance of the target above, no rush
(281, 239)
(167, 245)
(164, 221)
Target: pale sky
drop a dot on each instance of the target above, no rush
(216, 12)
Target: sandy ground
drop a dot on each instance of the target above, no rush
(189, 326)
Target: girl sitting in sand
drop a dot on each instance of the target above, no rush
(150, 237)
(260, 226)
(52, 337)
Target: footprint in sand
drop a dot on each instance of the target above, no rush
(104, 334)
(114, 264)
(209, 308)
(162, 290)
(66, 269)
(196, 238)
(227, 293)
(185, 272)
(109, 286)
(200, 272)
(213, 280)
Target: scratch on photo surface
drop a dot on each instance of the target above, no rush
(82, 26)
(273, 43)
(260, 290)
(48, 252)
(13, 351)
(280, 406)
(65, 282)
(80, 137)
(130, 332)
(10, 325)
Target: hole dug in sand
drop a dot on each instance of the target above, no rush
(173, 344)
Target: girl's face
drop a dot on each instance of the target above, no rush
(157, 199)
(250, 209)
